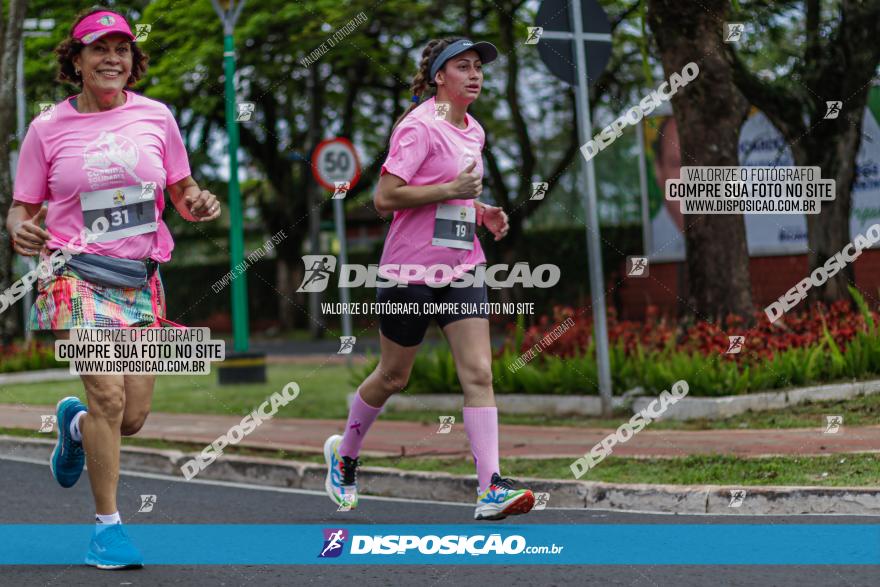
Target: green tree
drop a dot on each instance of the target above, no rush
(354, 90)
(708, 113)
(824, 51)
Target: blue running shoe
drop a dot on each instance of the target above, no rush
(68, 457)
(111, 549)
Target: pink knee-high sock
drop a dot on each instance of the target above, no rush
(481, 425)
(360, 417)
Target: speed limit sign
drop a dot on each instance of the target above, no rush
(335, 161)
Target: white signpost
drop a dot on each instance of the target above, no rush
(336, 167)
(572, 37)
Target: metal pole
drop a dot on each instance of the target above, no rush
(236, 229)
(643, 190)
(313, 197)
(597, 286)
(20, 126)
(236, 238)
(19, 90)
(344, 293)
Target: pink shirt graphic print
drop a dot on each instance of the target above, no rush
(66, 154)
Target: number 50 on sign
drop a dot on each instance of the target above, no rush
(335, 161)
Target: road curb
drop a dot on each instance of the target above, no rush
(687, 408)
(718, 408)
(382, 481)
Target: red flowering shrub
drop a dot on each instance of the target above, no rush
(762, 341)
(555, 356)
(28, 357)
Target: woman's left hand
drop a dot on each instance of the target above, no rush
(493, 218)
(202, 205)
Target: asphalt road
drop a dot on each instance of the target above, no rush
(30, 496)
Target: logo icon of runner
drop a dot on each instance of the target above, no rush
(147, 503)
(832, 109)
(342, 188)
(47, 423)
(142, 31)
(736, 344)
(539, 190)
(346, 345)
(535, 33)
(318, 270)
(737, 496)
(446, 423)
(245, 111)
(833, 424)
(541, 500)
(334, 540)
(734, 32)
(638, 266)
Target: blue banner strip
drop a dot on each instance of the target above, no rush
(593, 544)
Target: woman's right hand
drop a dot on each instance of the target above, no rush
(28, 238)
(467, 186)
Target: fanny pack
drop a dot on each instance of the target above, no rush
(113, 272)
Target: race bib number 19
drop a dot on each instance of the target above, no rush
(129, 211)
(455, 226)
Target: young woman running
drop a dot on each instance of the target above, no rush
(430, 180)
(105, 154)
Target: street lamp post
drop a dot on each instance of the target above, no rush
(229, 16)
(241, 366)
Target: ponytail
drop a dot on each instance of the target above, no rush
(421, 82)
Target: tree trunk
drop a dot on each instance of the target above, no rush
(288, 276)
(708, 112)
(829, 232)
(10, 40)
(510, 251)
(837, 65)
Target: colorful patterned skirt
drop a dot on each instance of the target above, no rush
(65, 301)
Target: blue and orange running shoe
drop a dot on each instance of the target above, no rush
(501, 499)
(68, 457)
(341, 482)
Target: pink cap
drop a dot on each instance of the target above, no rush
(98, 24)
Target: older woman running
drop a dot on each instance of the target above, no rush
(104, 156)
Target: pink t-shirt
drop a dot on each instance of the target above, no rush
(425, 151)
(66, 153)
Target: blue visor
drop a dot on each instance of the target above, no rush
(487, 52)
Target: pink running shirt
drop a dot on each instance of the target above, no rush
(426, 151)
(66, 153)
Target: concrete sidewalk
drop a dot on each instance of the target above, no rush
(388, 438)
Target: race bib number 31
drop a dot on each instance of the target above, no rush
(129, 211)
(455, 226)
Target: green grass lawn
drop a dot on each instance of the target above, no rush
(838, 470)
(855, 470)
(322, 392)
(324, 389)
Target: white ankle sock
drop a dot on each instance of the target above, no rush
(74, 426)
(107, 520)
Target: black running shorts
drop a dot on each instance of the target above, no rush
(408, 328)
